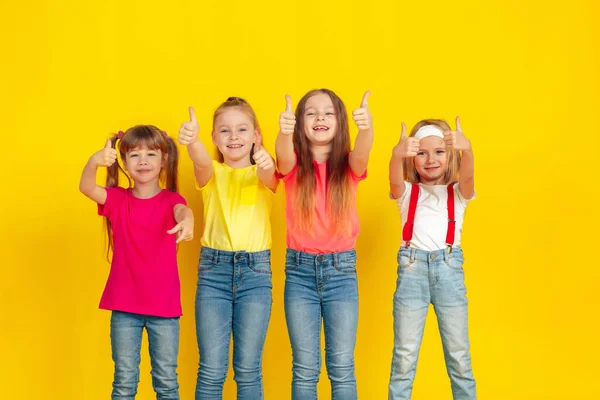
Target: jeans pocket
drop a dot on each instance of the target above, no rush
(455, 262)
(261, 267)
(404, 261)
(205, 264)
(291, 264)
(345, 267)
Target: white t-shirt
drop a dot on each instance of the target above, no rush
(431, 216)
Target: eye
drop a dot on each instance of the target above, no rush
(243, 129)
(133, 155)
(421, 153)
(151, 154)
(310, 113)
(440, 151)
(329, 113)
(224, 130)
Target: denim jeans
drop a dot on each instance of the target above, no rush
(437, 278)
(322, 286)
(126, 340)
(233, 297)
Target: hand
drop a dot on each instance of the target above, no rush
(361, 116)
(262, 158)
(456, 140)
(287, 119)
(188, 132)
(184, 230)
(407, 146)
(105, 157)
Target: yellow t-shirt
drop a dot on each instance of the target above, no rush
(237, 210)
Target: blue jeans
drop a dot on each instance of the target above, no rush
(435, 277)
(233, 296)
(126, 340)
(322, 286)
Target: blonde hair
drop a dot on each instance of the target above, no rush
(243, 106)
(410, 171)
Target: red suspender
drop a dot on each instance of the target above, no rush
(451, 220)
(407, 231)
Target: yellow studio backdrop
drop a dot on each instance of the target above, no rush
(523, 76)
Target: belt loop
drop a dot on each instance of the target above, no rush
(215, 256)
(336, 260)
(297, 258)
(250, 259)
(412, 256)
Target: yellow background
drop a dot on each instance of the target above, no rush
(522, 75)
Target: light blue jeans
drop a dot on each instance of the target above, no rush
(436, 278)
(233, 297)
(322, 287)
(126, 341)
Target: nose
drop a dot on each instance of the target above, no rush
(320, 117)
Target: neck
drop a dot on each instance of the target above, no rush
(241, 163)
(320, 153)
(146, 190)
(431, 182)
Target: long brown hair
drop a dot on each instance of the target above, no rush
(410, 172)
(243, 106)
(339, 181)
(154, 139)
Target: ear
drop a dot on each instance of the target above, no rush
(214, 137)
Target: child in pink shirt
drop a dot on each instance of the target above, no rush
(144, 224)
(321, 173)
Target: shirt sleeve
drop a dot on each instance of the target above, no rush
(114, 199)
(176, 198)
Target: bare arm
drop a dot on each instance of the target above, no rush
(406, 147)
(87, 184)
(185, 223)
(188, 136)
(284, 145)
(359, 158)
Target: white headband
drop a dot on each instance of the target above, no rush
(428, 130)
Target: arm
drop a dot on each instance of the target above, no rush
(87, 184)
(359, 158)
(188, 136)
(266, 166)
(458, 141)
(185, 223)
(284, 145)
(466, 179)
(406, 147)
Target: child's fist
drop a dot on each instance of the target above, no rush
(188, 132)
(287, 119)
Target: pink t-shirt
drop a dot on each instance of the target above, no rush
(143, 278)
(322, 239)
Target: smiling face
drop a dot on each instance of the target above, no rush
(143, 164)
(431, 161)
(320, 119)
(234, 134)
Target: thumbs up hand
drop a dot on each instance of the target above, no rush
(407, 146)
(261, 156)
(287, 119)
(456, 140)
(105, 157)
(188, 132)
(362, 116)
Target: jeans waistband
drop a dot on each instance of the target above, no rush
(424, 255)
(208, 253)
(309, 258)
